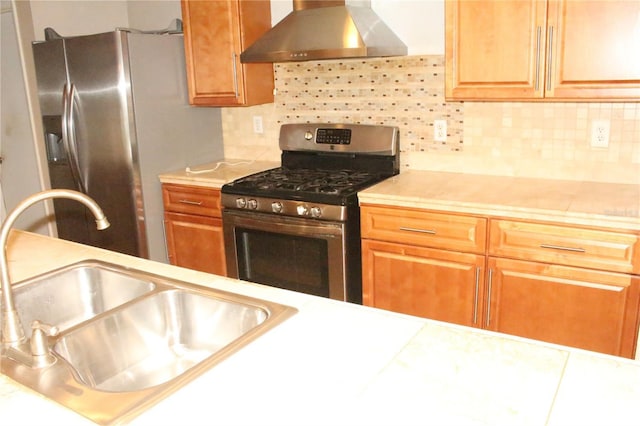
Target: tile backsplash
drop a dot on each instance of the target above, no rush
(547, 140)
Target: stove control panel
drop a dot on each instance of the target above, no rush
(285, 207)
(333, 136)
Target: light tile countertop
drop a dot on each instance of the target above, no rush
(339, 363)
(564, 201)
(216, 174)
(576, 202)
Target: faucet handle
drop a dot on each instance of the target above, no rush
(49, 330)
(39, 333)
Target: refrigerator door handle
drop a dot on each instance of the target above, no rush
(68, 134)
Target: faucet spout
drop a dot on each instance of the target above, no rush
(12, 331)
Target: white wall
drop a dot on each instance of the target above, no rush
(74, 17)
(19, 177)
(71, 18)
(152, 14)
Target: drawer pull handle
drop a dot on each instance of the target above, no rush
(551, 246)
(422, 231)
(193, 203)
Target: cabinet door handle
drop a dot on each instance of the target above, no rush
(554, 247)
(549, 57)
(422, 231)
(537, 80)
(235, 74)
(475, 297)
(489, 283)
(193, 203)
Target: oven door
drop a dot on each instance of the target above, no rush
(298, 254)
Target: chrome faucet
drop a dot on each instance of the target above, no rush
(13, 335)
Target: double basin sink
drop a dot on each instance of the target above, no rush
(129, 338)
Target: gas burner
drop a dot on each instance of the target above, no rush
(303, 181)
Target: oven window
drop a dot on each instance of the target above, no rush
(285, 261)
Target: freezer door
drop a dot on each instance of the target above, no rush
(102, 135)
(51, 73)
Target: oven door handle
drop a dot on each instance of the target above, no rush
(282, 224)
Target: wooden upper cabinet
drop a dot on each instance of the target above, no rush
(494, 49)
(596, 49)
(542, 50)
(215, 33)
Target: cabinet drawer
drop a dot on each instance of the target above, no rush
(562, 245)
(422, 228)
(192, 200)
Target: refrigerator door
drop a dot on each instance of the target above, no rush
(51, 74)
(102, 136)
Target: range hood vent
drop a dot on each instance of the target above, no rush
(326, 29)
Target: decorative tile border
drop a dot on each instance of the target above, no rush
(407, 92)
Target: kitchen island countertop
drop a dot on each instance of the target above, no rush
(338, 363)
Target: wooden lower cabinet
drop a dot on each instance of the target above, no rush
(577, 307)
(193, 228)
(195, 242)
(438, 284)
(557, 283)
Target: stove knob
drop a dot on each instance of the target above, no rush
(241, 203)
(316, 211)
(308, 135)
(302, 210)
(252, 204)
(276, 207)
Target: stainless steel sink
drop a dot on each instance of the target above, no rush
(129, 338)
(71, 295)
(156, 339)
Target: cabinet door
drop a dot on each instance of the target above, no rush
(215, 33)
(596, 49)
(576, 307)
(437, 284)
(195, 242)
(495, 49)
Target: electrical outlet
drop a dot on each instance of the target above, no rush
(600, 133)
(257, 124)
(440, 130)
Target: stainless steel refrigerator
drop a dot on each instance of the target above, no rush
(116, 114)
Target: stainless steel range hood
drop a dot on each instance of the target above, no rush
(326, 29)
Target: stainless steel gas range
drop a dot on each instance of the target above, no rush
(297, 226)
